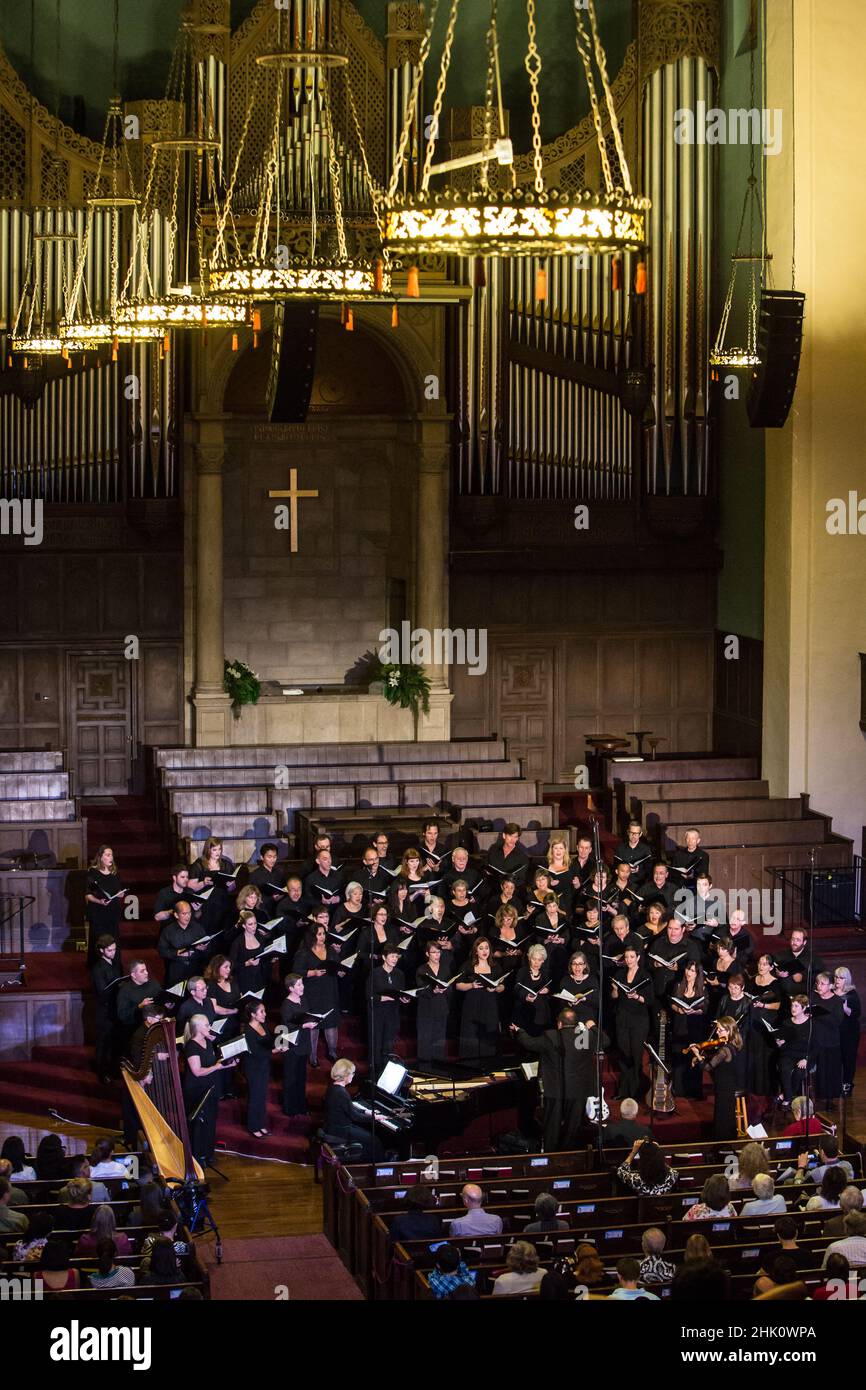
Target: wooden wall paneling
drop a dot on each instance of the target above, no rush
(124, 614)
(39, 607)
(10, 697)
(66, 840)
(471, 701)
(9, 590)
(579, 700)
(738, 696)
(101, 692)
(28, 1020)
(41, 720)
(525, 678)
(618, 681)
(46, 921)
(160, 693)
(81, 610)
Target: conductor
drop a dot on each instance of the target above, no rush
(565, 1055)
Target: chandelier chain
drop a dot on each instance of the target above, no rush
(583, 48)
(412, 103)
(488, 96)
(601, 61)
(440, 96)
(532, 63)
(373, 190)
(222, 217)
(334, 169)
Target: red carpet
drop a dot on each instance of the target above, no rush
(302, 1269)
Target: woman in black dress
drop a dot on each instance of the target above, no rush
(257, 1067)
(381, 932)
(507, 941)
(533, 986)
(633, 992)
(249, 899)
(386, 985)
(415, 879)
(843, 987)
(726, 1065)
(582, 985)
(318, 965)
(346, 936)
(464, 910)
(505, 893)
(479, 1018)
(559, 868)
(103, 895)
(213, 870)
(827, 1019)
(434, 1004)
(553, 932)
(224, 994)
(538, 896)
(688, 1005)
(202, 1086)
(251, 969)
(766, 1002)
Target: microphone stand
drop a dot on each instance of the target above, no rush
(596, 849)
(808, 1088)
(371, 1023)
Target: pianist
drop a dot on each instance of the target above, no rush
(341, 1116)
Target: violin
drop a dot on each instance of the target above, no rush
(705, 1046)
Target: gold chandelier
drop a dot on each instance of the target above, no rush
(722, 355)
(187, 156)
(36, 329)
(517, 221)
(82, 328)
(265, 270)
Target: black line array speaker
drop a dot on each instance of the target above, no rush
(293, 365)
(780, 340)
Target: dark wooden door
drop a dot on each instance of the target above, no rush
(523, 713)
(100, 740)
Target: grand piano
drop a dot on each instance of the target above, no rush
(422, 1108)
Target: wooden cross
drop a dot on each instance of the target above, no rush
(293, 494)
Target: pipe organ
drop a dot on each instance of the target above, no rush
(678, 180)
(536, 379)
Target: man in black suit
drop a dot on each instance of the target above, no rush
(416, 1222)
(565, 1063)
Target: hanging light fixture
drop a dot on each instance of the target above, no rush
(82, 327)
(264, 269)
(516, 221)
(36, 330)
(755, 257)
(187, 159)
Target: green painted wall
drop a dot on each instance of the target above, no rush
(741, 449)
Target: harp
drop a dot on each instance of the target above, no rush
(155, 1089)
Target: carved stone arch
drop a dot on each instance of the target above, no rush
(411, 347)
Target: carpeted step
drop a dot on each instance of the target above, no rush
(61, 971)
(102, 1112)
(58, 1080)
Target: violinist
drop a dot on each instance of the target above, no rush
(722, 1055)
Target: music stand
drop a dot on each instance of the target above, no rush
(192, 1119)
